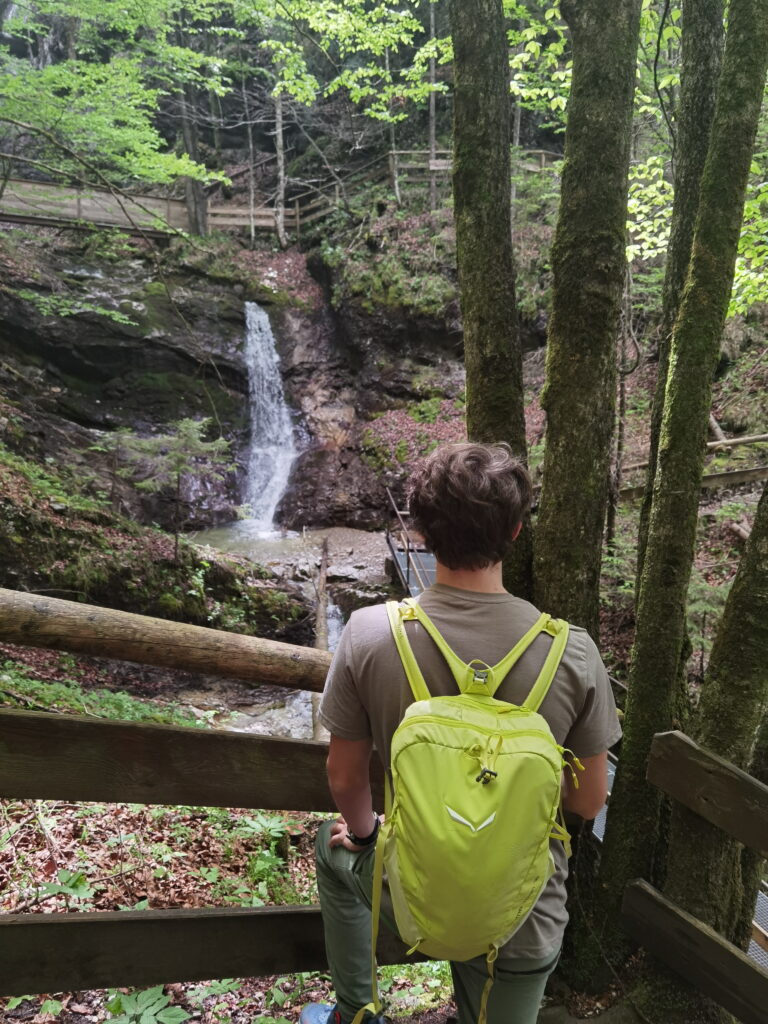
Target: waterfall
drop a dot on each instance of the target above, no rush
(271, 451)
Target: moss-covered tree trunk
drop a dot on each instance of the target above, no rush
(702, 46)
(705, 866)
(588, 265)
(632, 829)
(481, 190)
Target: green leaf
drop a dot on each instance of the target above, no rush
(173, 1015)
(15, 1001)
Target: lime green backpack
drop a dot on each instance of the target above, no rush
(475, 800)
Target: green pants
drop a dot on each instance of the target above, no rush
(345, 881)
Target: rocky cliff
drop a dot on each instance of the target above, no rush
(99, 333)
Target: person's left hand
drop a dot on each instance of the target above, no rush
(339, 837)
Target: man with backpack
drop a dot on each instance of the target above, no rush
(484, 711)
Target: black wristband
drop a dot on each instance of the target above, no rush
(366, 840)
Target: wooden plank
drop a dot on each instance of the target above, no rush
(130, 762)
(321, 202)
(759, 936)
(71, 952)
(64, 222)
(262, 221)
(311, 218)
(87, 629)
(696, 952)
(712, 481)
(712, 787)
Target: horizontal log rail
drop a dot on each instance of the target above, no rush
(696, 951)
(717, 790)
(49, 203)
(728, 442)
(51, 623)
(71, 952)
(109, 761)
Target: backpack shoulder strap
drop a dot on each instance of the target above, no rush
(469, 679)
(500, 672)
(416, 681)
(460, 670)
(558, 630)
(464, 674)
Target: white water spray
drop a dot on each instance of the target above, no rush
(272, 450)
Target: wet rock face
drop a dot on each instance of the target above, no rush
(182, 356)
(340, 369)
(85, 375)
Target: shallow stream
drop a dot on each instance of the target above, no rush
(355, 564)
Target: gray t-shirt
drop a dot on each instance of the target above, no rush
(366, 694)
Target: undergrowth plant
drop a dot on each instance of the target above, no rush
(20, 689)
(151, 1006)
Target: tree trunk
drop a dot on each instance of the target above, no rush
(251, 160)
(752, 864)
(177, 519)
(704, 868)
(588, 265)
(702, 45)
(432, 115)
(280, 153)
(194, 193)
(633, 822)
(614, 482)
(515, 170)
(481, 172)
(393, 169)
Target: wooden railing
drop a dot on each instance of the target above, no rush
(421, 164)
(737, 803)
(46, 203)
(49, 204)
(61, 757)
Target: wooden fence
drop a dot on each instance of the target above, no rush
(35, 202)
(737, 803)
(421, 164)
(40, 202)
(45, 203)
(62, 757)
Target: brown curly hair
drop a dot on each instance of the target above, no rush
(466, 500)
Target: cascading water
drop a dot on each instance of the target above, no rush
(272, 450)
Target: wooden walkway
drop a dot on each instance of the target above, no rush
(416, 567)
(48, 204)
(91, 207)
(38, 202)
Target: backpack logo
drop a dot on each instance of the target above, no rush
(463, 821)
